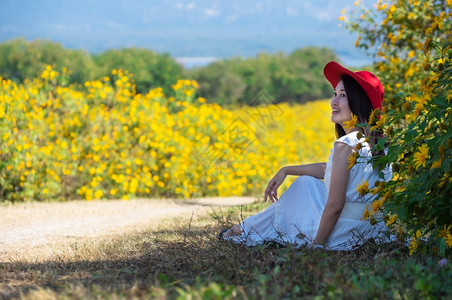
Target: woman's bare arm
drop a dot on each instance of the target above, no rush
(271, 192)
(315, 170)
(336, 196)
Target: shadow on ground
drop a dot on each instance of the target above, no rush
(190, 261)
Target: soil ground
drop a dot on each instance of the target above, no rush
(28, 226)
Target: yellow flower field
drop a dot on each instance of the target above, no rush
(101, 139)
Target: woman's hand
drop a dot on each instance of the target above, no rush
(271, 191)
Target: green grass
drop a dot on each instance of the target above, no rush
(184, 259)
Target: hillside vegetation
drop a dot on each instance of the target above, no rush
(296, 77)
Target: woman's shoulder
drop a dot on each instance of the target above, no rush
(350, 139)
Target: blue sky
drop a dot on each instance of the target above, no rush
(183, 28)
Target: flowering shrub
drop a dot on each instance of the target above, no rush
(400, 35)
(413, 52)
(102, 139)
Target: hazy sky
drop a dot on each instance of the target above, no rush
(183, 28)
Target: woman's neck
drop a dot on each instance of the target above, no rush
(349, 130)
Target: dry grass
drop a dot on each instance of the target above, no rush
(182, 258)
(38, 231)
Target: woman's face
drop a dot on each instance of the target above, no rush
(339, 103)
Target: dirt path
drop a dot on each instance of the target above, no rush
(31, 225)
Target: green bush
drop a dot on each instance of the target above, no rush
(413, 45)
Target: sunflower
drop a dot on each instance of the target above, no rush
(363, 188)
(449, 240)
(352, 160)
(391, 220)
(421, 156)
(366, 213)
(352, 122)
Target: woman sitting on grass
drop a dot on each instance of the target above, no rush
(326, 213)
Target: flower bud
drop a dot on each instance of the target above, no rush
(426, 66)
(389, 130)
(441, 150)
(407, 106)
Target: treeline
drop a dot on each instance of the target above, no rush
(20, 60)
(294, 78)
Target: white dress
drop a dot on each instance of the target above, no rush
(295, 217)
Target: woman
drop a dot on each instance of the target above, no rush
(326, 213)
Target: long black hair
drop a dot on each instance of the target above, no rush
(360, 106)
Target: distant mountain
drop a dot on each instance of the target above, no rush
(183, 28)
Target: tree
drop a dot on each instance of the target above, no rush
(219, 84)
(20, 60)
(150, 69)
(295, 78)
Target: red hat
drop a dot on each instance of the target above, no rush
(368, 81)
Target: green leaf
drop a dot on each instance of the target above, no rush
(442, 247)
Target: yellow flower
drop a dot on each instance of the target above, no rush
(376, 205)
(352, 160)
(445, 231)
(363, 188)
(420, 157)
(413, 246)
(352, 122)
(366, 214)
(449, 240)
(391, 220)
(373, 115)
(357, 41)
(415, 242)
(98, 194)
(379, 123)
(436, 164)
